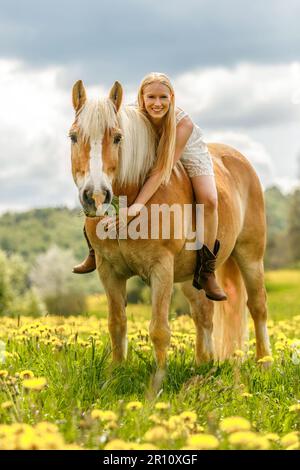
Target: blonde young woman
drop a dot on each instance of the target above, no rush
(178, 138)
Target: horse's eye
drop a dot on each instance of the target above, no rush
(117, 138)
(73, 138)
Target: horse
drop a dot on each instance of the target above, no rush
(112, 152)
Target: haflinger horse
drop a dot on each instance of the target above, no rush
(113, 150)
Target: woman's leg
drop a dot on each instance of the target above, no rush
(89, 264)
(206, 193)
(204, 277)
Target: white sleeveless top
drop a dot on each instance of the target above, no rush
(195, 158)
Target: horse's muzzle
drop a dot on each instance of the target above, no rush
(92, 202)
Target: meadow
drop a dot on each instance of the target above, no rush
(59, 390)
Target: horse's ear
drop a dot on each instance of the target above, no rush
(116, 95)
(78, 95)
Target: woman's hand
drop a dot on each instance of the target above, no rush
(119, 222)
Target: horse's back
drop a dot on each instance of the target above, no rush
(241, 199)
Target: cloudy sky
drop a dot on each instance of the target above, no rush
(235, 66)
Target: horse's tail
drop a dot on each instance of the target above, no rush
(230, 317)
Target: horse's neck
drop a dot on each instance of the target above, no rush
(130, 191)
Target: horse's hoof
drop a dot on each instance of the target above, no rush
(156, 381)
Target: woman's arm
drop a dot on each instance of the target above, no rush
(148, 189)
(183, 132)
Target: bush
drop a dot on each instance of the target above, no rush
(16, 295)
(62, 291)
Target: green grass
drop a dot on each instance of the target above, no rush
(81, 378)
(283, 289)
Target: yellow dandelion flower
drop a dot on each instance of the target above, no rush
(290, 439)
(46, 427)
(281, 336)
(246, 395)
(174, 422)
(199, 428)
(144, 446)
(37, 383)
(26, 374)
(155, 419)
(106, 415)
(51, 441)
(3, 373)
(271, 436)
(203, 442)
(134, 405)
(261, 443)
(243, 438)
(118, 444)
(250, 353)
(252, 342)
(162, 406)
(6, 405)
(239, 353)
(293, 447)
(158, 433)
(280, 346)
(28, 441)
(234, 423)
(179, 434)
(188, 416)
(265, 359)
(295, 407)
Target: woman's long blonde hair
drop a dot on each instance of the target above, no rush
(166, 144)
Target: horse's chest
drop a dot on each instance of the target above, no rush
(111, 253)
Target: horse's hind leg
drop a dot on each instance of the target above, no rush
(161, 289)
(202, 310)
(115, 288)
(252, 270)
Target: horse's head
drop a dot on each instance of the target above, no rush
(95, 137)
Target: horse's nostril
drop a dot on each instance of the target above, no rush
(108, 197)
(87, 196)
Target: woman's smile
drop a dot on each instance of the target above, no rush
(157, 99)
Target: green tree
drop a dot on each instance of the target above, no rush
(6, 293)
(294, 227)
(277, 206)
(16, 295)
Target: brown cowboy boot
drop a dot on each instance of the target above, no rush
(204, 277)
(89, 264)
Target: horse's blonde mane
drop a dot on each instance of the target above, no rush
(138, 145)
(96, 116)
(137, 148)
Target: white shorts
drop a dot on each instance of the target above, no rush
(196, 158)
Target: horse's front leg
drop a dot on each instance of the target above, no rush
(161, 288)
(115, 289)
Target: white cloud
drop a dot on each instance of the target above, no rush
(242, 96)
(254, 151)
(287, 185)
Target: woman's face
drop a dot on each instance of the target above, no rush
(157, 99)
